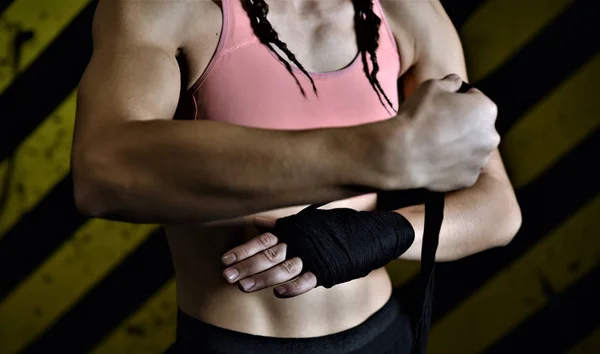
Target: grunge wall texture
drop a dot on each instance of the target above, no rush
(72, 284)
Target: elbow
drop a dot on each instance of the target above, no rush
(88, 200)
(510, 224)
(499, 229)
(94, 184)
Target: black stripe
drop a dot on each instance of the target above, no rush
(49, 80)
(565, 321)
(37, 235)
(459, 11)
(551, 57)
(4, 4)
(545, 204)
(109, 303)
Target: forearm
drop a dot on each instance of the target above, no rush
(475, 219)
(170, 172)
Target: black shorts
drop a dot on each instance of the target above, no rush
(386, 331)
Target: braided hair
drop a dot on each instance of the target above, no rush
(367, 36)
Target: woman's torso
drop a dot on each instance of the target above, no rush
(228, 87)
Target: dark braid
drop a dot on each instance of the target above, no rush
(367, 34)
(257, 11)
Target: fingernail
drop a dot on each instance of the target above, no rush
(280, 290)
(228, 258)
(247, 283)
(231, 274)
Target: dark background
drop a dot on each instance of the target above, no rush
(71, 284)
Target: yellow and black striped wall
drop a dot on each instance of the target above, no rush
(70, 284)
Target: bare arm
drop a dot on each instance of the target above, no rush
(132, 162)
(487, 214)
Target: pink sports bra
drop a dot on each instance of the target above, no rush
(246, 84)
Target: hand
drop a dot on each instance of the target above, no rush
(261, 262)
(441, 139)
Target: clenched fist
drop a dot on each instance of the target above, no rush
(440, 139)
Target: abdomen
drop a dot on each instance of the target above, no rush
(204, 294)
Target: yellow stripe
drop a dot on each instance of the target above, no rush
(499, 28)
(69, 273)
(39, 163)
(590, 345)
(560, 259)
(45, 18)
(150, 330)
(554, 126)
(42, 160)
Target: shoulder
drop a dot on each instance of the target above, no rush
(160, 22)
(423, 25)
(413, 13)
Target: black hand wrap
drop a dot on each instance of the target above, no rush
(339, 245)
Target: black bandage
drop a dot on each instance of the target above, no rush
(339, 245)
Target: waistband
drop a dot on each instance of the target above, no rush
(387, 330)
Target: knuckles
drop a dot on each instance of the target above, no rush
(309, 278)
(453, 77)
(496, 140)
(241, 252)
(492, 108)
(267, 240)
(273, 254)
(290, 267)
(488, 108)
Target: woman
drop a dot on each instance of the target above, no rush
(203, 115)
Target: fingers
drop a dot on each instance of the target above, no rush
(258, 263)
(281, 273)
(298, 286)
(249, 249)
(451, 82)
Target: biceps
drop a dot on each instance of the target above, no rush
(124, 84)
